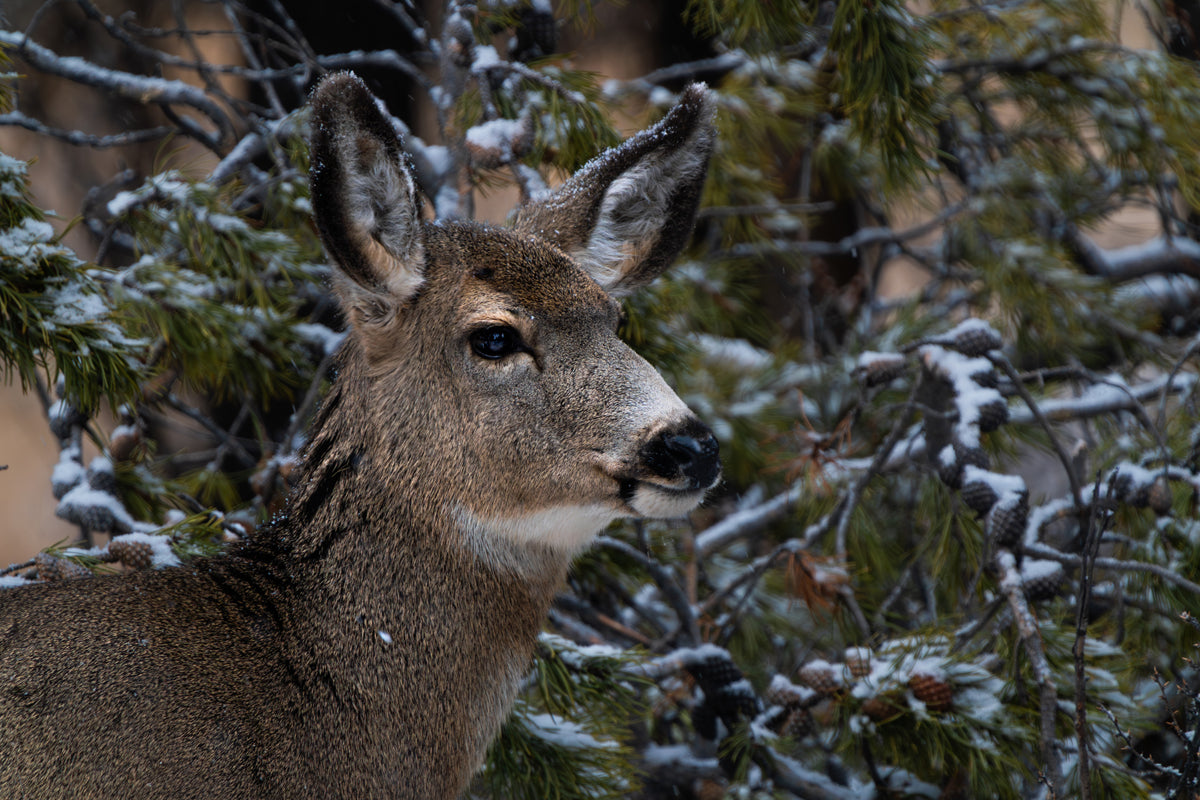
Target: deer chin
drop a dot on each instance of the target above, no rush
(657, 501)
(566, 529)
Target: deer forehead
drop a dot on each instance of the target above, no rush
(494, 266)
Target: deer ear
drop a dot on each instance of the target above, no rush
(627, 213)
(364, 199)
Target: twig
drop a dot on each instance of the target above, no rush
(746, 521)
(1097, 524)
(595, 619)
(222, 436)
(1131, 746)
(1073, 479)
(11, 568)
(674, 595)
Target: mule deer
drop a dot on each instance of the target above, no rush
(485, 424)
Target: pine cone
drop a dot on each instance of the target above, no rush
(883, 368)
(992, 415)
(977, 340)
(537, 34)
(704, 720)
(125, 439)
(820, 676)
(69, 570)
(1159, 496)
(1041, 579)
(858, 662)
(97, 518)
(782, 693)
(64, 417)
(734, 701)
(880, 708)
(797, 723)
(951, 474)
(47, 567)
(708, 789)
(986, 379)
(1005, 523)
(979, 496)
(935, 693)
(54, 568)
(64, 478)
(100, 476)
(133, 554)
(713, 670)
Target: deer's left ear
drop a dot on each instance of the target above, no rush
(626, 214)
(365, 200)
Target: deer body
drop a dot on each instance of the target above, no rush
(486, 422)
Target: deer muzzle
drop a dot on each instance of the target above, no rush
(686, 456)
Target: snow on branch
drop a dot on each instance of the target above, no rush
(138, 88)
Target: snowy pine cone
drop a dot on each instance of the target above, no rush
(97, 518)
(951, 474)
(935, 693)
(713, 670)
(858, 662)
(53, 568)
(820, 676)
(135, 555)
(63, 418)
(979, 496)
(880, 707)
(1005, 523)
(1041, 580)
(100, 476)
(986, 379)
(992, 415)
(882, 368)
(1159, 496)
(976, 341)
(796, 723)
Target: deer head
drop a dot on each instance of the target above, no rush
(489, 357)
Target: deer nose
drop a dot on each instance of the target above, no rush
(691, 451)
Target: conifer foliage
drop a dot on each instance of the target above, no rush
(956, 549)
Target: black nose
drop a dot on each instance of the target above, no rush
(691, 451)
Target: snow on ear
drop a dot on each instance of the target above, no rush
(364, 198)
(626, 214)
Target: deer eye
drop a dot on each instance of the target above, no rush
(495, 342)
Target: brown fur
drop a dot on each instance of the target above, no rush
(369, 643)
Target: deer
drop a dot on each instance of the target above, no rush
(485, 424)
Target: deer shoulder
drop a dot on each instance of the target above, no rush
(485, 424)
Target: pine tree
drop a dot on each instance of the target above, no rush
(885, 599)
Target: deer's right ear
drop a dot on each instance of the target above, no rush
(627, 213)
(364, 200)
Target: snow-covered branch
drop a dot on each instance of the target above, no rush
(138, 88)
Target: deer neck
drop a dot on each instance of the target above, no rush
(412, 616)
